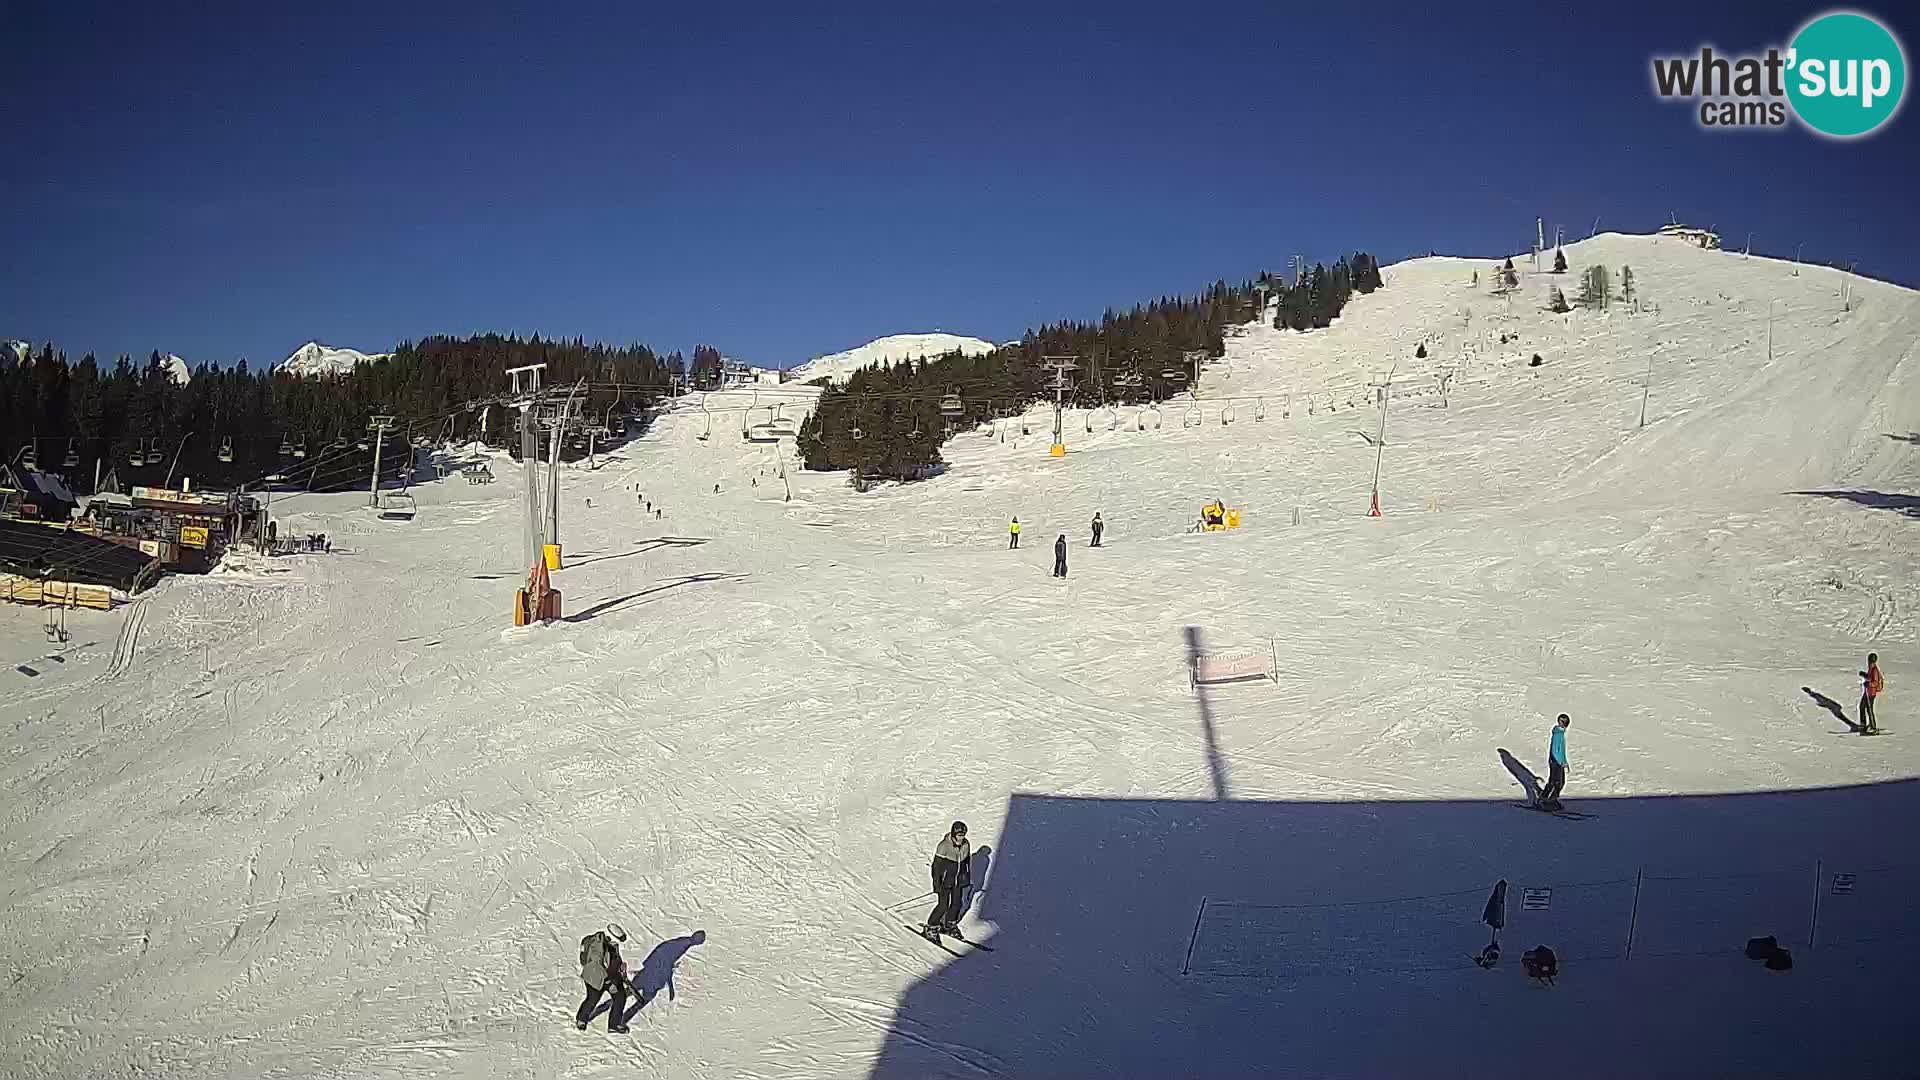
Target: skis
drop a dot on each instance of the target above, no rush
(922, 935)
(1569, 815)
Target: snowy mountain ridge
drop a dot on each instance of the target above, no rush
(314, 360)
(176, 369)
(886, 350)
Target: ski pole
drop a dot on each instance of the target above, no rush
(910, 900)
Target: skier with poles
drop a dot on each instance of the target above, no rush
(1871, 684)
(1556, 764)
(952, 873)
(603, 970)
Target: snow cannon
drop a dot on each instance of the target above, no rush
(1219, 517)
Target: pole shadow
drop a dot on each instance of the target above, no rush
(1216, 763)
(1907, 505)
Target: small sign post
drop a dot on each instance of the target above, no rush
(1842, 884)
(1539, 899)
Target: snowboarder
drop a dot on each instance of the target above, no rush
(603, 970)
(1871, 683)
(1495, 916)
(1060, 556)
(1556, 764)
(1098, 525)
(1013, 534)
(952, 873)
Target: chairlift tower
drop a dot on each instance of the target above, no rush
(1060, 365)
(379, 426)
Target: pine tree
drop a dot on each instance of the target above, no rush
(1420, 351)
(1557, 301)
(1626, 284)
(1559, 261)
(1511, 279)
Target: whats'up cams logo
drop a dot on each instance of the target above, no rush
(1843, 76)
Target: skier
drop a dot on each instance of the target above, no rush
(1060, 556)
(952, 873)
(1013, 534)
(603, 970)
(1098, 525)
(1871, 683)
(1556, 764)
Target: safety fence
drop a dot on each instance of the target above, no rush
(1639, 917)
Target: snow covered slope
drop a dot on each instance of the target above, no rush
(314, 360)
(838, 366)
(330, 816)
(177, 369)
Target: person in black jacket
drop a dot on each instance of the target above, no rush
(952, 873)
(1060, 556)
(1098, 527)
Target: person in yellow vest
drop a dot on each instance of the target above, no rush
(1013, 534)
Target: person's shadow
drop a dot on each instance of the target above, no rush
(977, 867)
(656, 971)
(1832, 706)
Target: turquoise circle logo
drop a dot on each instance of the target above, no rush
(1848, 74)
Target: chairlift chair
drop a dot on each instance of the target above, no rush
(226, 450)
(286, 447)
(28, 459)
(857, 434)
(72, 460)
(154, 454)
(1193, 417)
(950, 406)
(1226, 415)
(397, 506)
(137, 456)
(1260, 410)
(300, 449)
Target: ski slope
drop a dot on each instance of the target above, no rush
(331, 816)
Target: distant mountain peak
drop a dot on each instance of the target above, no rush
(316, 360)
(887, 350)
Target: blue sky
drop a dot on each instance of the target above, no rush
(231, 181)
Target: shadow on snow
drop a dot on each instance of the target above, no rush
(1166, 937)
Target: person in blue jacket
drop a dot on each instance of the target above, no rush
(1556, 764)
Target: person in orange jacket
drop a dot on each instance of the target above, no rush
(1872, 682)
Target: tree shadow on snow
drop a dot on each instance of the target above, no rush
(641, 548)
(1908, 505)
(608, 605)
(1145, 937)
(1910, 437)
(1839, 712)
